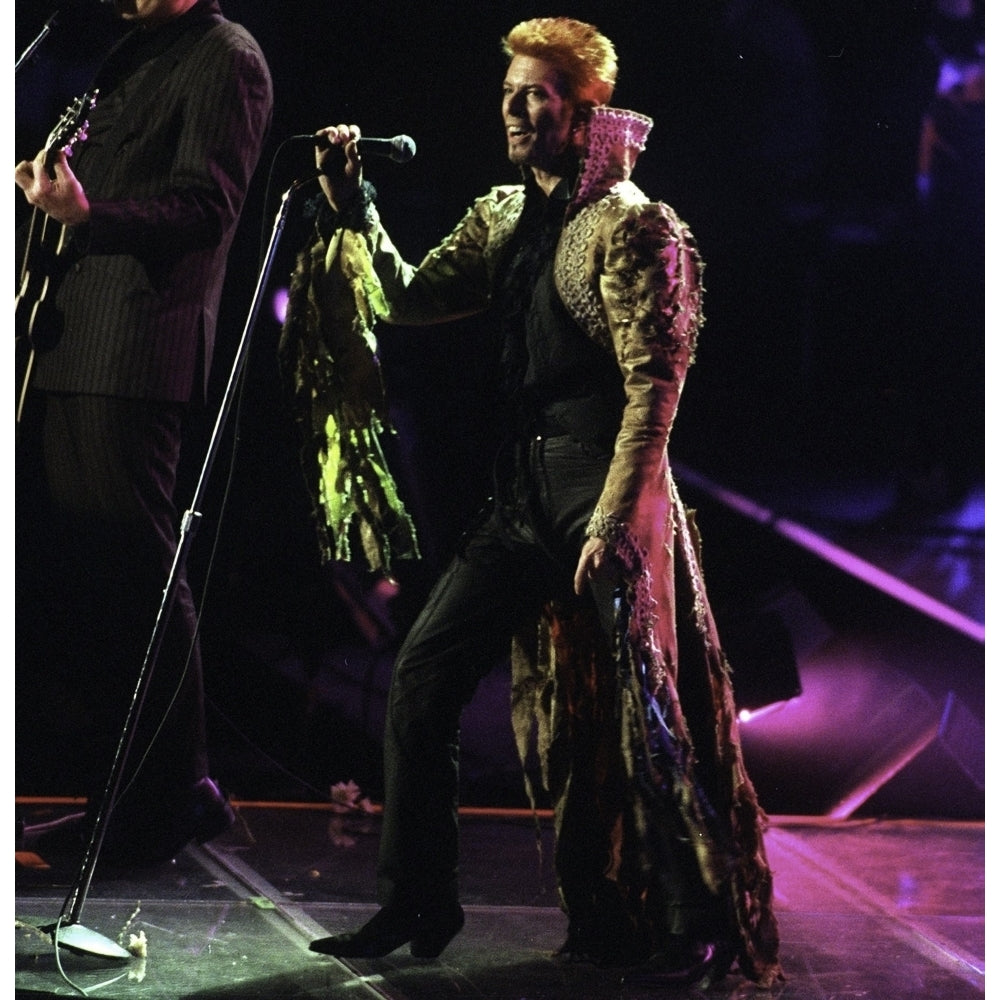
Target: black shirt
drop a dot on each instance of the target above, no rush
(555, 378)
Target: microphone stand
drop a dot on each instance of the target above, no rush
(67, 929)
(46, 29)
(25, 57)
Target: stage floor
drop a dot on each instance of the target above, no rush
(878, 909)
(871, 907)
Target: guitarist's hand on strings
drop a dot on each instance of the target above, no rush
(56, 192)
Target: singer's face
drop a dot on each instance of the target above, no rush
(537, 114)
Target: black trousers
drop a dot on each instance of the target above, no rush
(522, 553)
(96, 535)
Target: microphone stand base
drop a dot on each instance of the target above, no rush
(82, 941)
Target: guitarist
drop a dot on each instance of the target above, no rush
(150, 203)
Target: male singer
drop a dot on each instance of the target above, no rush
(584, 554)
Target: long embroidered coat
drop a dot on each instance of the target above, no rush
(628, 271)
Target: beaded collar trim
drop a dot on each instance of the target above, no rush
(615, 137)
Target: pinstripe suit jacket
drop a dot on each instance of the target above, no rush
(166, 167)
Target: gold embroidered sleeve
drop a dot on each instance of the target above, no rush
(650, 285)
(454, 279)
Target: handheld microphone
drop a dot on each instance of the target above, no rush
(400, 148)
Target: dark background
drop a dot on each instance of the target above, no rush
(785, 135)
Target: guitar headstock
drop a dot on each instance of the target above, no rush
(72, 125)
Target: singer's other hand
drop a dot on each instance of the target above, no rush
(339, 163)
